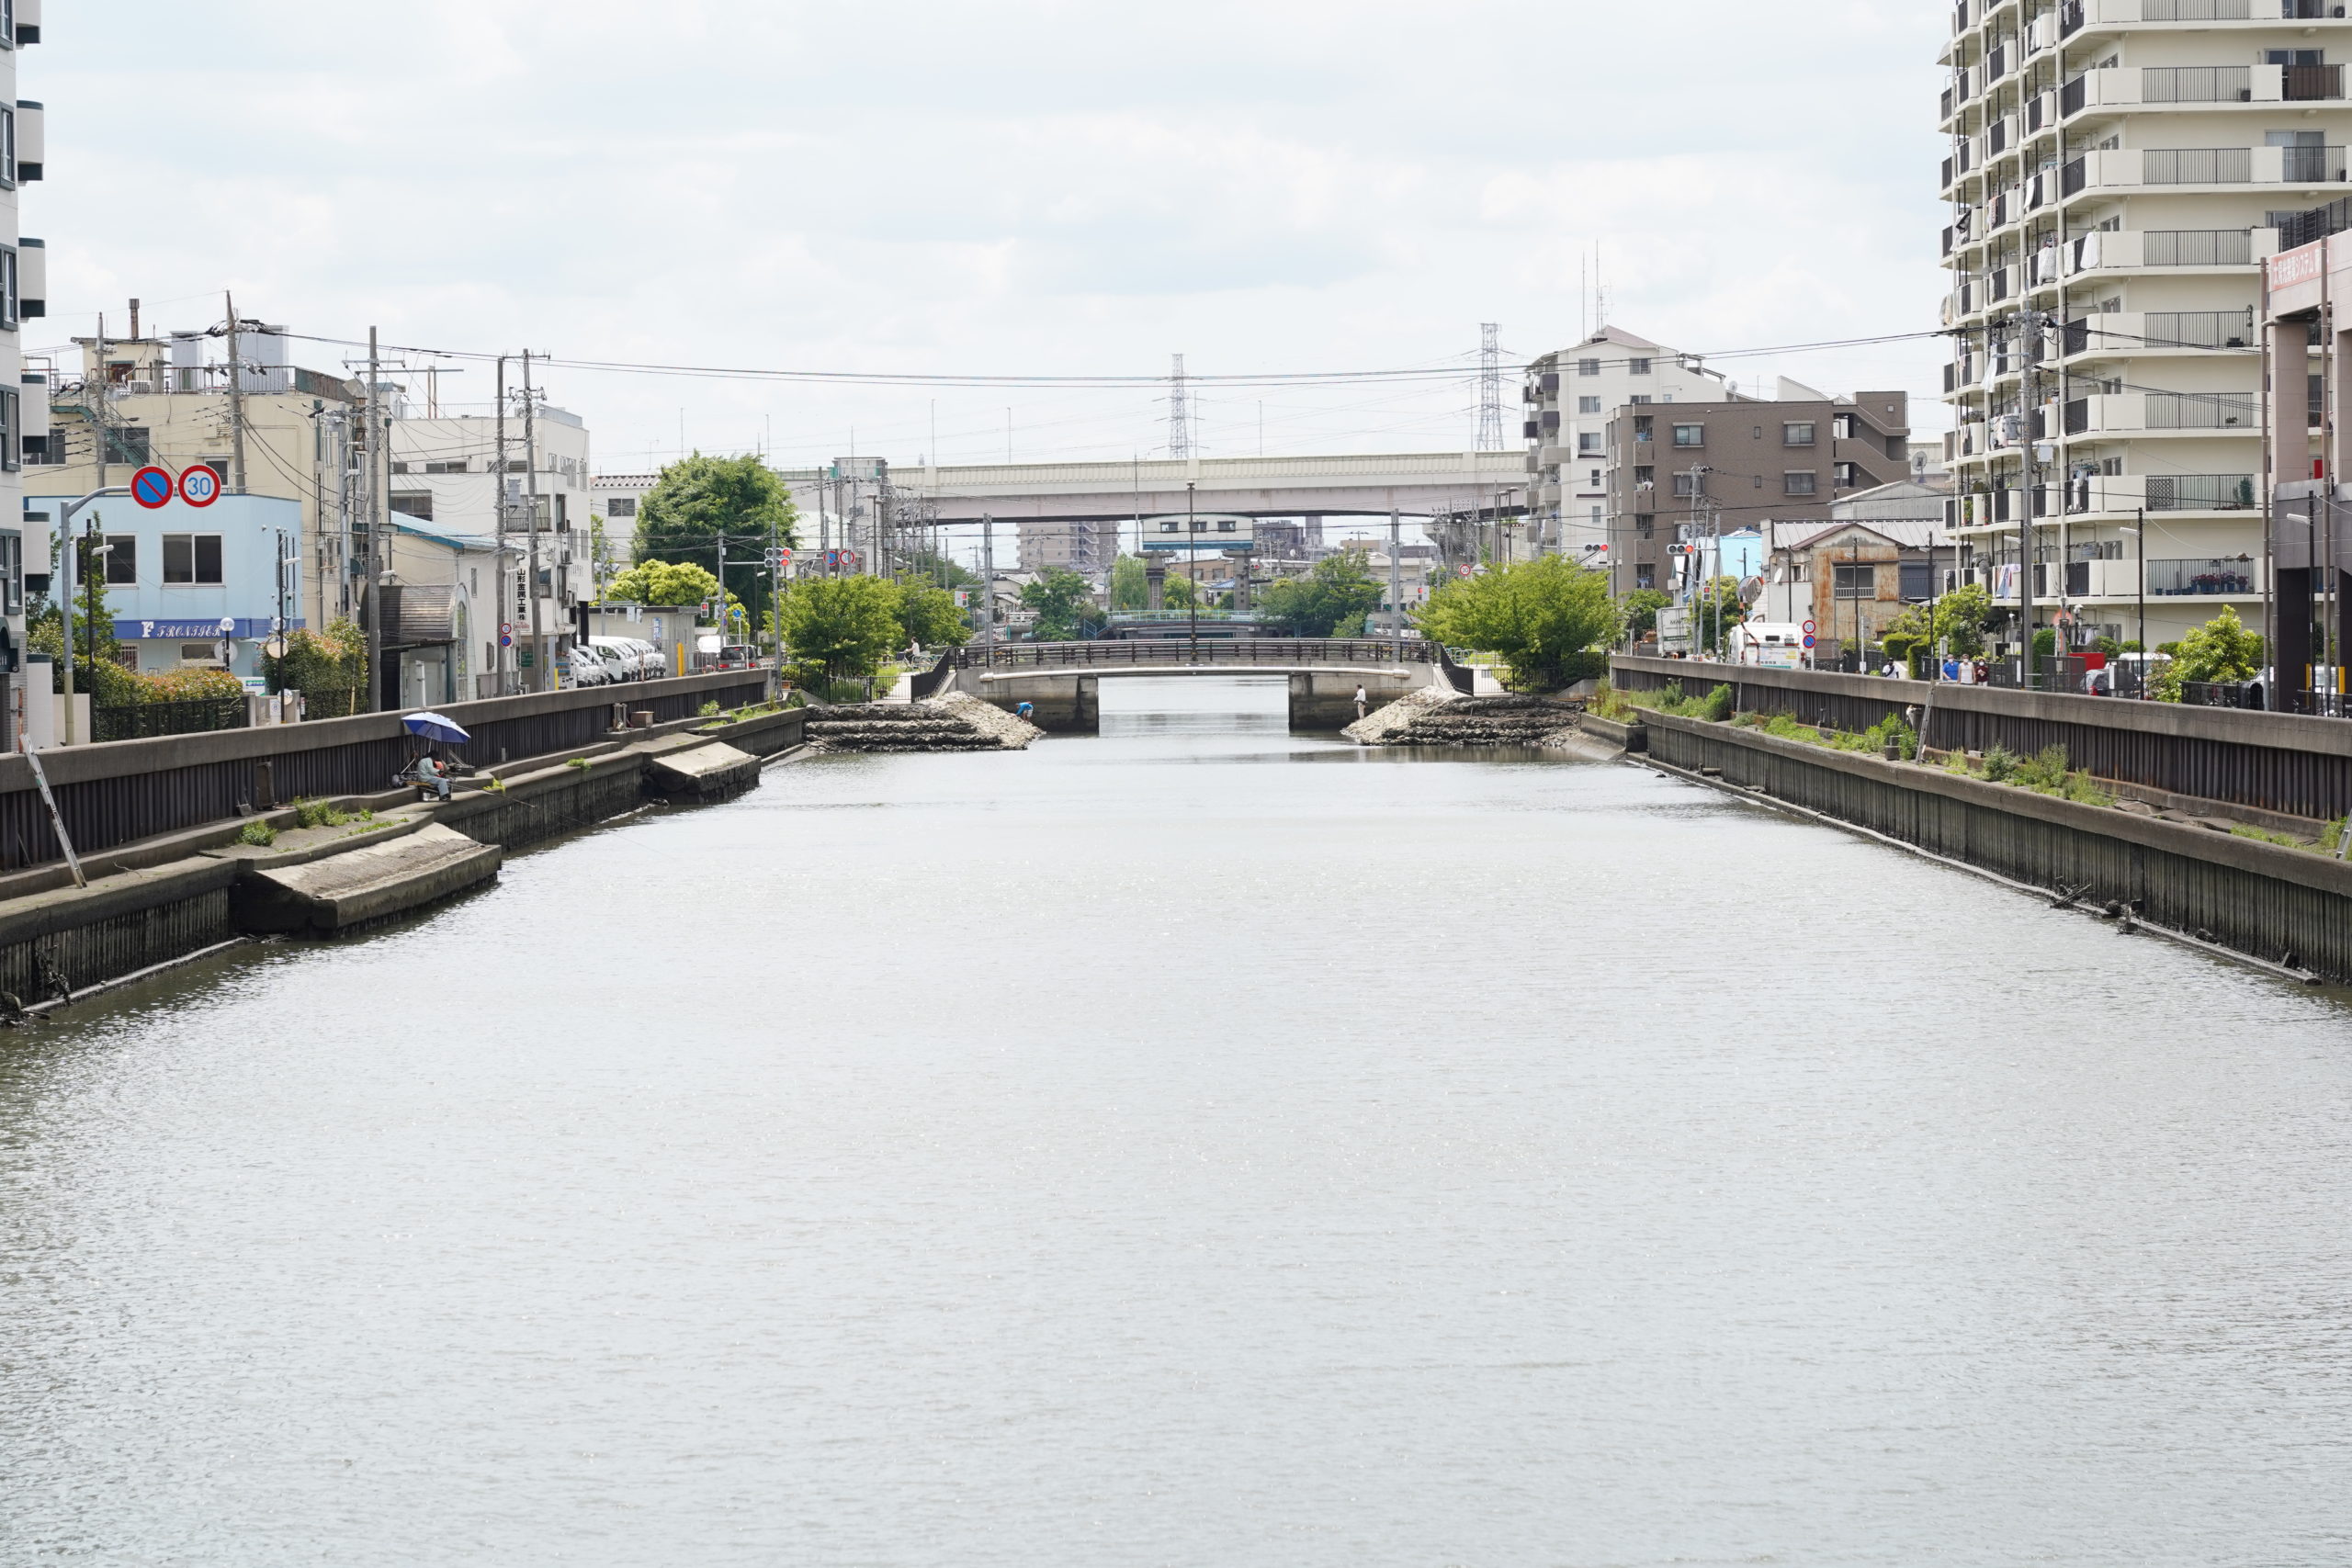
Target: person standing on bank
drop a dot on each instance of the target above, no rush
(1364, 703)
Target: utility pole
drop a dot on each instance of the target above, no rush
(1395, 584)
(236, 401)
(371, 601)
(2025, 510)
(531, 490)
(98, 415)
(498, 503)
(1192, 575)
(987, 586)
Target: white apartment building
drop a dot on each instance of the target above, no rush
(1571, 394)
(464, 569)
(23, 292)
(2118, 170)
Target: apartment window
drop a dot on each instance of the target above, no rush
(1592, 478)
(1644, 398)
(1842, 427)
(1637, 368)
(199, 653)
(1588, 405)
(1798, 482)
(1641, 427)
(11, 572)
(10, 460)
(1588, 442)
(459, 467)
(1644, 527)
(399, 467)
(122, 560)
(1226, 526)
(1645, 575)
(1797, 433)
(621, 506)
(415, 503)
(8, 146)
(1687, 485)
(191, 558)
(518, 466)
(1857, 582)
(8, 287)
(1644, 476)
(1690, 435)
(1588, 366)
(127, 444)
(1171, 526)
(1845, 475)
(219, 467)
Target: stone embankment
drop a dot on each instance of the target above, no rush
(956, 722)
(1435, 717)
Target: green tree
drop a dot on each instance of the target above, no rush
(700, 500)
(837, 628)
(662, 582)
(1061, 600)
(98, 670)
(1638, 610)
(2223, 649)
(329, 668)
(1337, 593)
(1176, 591)
(928, 617)
(1910, 636)
(1129, 587)
(1961, 618)
(1548, 619)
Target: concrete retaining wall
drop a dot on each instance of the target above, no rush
(2264, 901)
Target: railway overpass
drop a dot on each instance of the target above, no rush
(1417, 484)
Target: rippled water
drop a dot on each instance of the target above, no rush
(1192, 1146)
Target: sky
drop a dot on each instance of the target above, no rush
(1015, 189)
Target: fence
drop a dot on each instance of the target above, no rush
(113, 794)
(2293, 764)
(1181, 651)
(138, 721)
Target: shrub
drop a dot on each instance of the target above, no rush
(2044, 771)
(708, 709)
(191, 686)
(1716, 707)
(259, 834)
(2000, 763)
(318, 814)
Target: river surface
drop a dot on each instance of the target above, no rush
(1192, 1146)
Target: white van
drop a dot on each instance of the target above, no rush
(630, 659)
(1773, 645)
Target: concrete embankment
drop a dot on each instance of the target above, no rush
(2285, 907)
(1436, 717)
(363, 860)
(953, 722)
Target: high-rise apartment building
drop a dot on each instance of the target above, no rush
(23, 296)
(2119, 168)
(1570, 395)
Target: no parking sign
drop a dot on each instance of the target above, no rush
(151, 488)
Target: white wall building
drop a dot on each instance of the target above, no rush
(2118, 168)
(444, 487)
(24, 288)
(1570, 395)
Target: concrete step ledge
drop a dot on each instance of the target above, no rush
(371, 883)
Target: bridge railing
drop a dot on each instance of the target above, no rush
(1219, 650)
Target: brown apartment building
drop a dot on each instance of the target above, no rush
(1757, 460)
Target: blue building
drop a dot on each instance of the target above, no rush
(183, 580)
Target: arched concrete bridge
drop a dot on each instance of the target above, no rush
(1062, 682)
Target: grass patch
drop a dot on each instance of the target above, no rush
(319, 814)
(581, 762)
(259, 834)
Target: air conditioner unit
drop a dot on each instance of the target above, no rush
(134, 389)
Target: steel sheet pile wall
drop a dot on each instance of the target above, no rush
(2272, 903)
(2284, 762)
(115, 792)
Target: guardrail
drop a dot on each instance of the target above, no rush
(1214, 650)
(115, 791)
(2291, 763)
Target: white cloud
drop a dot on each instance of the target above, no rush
(1030, 187)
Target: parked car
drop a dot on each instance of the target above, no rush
(652, 663)
(619, 664)
(630, 659)
(582, 666)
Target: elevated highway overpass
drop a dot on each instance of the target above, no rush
(1417, 484)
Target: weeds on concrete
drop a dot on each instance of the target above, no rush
(579, 762)
(319, 814)
(259, 834)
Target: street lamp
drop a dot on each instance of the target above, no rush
(1193, 574)
(65, 594)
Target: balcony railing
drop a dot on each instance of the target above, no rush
(2201, 410)
(2177, 578)
(2197, 247)
(2203, 165)
(2309, 82)
(2200, 329)
(2312, 165)
(2200, 492)
(2195, 10)
(2196, 85)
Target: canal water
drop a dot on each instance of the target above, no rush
(1192, 1146)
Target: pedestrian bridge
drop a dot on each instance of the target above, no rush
(1061, 681)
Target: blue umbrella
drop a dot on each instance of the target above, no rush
(435, 727)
